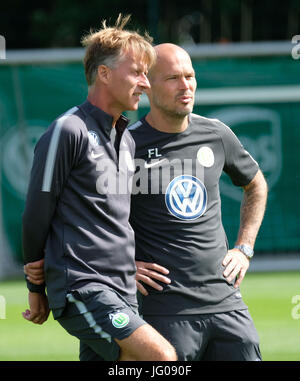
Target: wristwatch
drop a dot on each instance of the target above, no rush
(247, 250)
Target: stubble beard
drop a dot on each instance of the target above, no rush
(173, 113)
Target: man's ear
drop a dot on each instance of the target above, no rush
(103, 73)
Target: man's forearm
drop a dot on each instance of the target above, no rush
(252, 210)
(36, 224)
(33, 247)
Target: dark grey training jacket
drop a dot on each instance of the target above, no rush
(77, 207)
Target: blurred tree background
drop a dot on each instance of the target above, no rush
(61, 23)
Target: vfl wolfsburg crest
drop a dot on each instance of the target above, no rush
(94, 138)
(119, 320)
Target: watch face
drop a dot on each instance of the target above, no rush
(247, 250)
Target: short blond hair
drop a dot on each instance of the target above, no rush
(106, 46)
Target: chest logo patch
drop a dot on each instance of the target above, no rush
(94, 138)
(186, 197)
(206, 157)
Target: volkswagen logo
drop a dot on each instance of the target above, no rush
(186, 197)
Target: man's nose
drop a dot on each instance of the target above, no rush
(144, 82)
(184, 83)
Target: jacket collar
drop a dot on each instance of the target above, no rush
(104, 120)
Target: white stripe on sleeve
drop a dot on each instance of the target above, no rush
(51, 155)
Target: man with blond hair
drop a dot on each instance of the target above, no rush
(76, 215)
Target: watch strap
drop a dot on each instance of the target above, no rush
(245, 249)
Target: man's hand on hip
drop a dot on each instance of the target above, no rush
(236, 264)
(146, 272)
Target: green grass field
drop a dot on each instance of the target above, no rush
(268, 295)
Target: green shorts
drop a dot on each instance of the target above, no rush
(96, 318)
(229, 336)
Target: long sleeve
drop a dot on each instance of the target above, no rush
(39, 207)
(53, 160)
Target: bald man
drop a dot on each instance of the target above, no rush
(187, 276)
